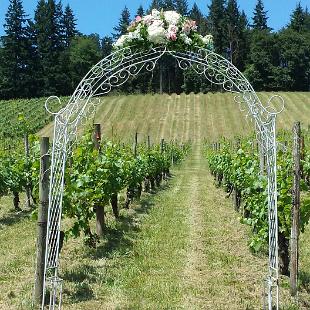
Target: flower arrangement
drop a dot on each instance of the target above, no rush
(167, 28)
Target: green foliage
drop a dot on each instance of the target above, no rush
(18, 117)
(37, 59)
(240, 170)
(123, 23)
(216, 19)
(16, 171)
(196, 14)
(260, 17)
(96, 175)
(84, 53)
(298, 19)
(15, 54)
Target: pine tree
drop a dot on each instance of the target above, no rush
(69, 25)
(182, 7)
(232, 25)
(140, 11)
(123, 23)
(106, 46)
(156, 4)
(243, 44)
(216, 21)
(14, 54)
(260, 17)
(307, 20)
(84, 52)
(49, 29)
(196, 14)
(297, 22)
(168, 5)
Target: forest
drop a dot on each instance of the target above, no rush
(48, 55)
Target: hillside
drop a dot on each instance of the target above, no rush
(176, 116)
(181, 247)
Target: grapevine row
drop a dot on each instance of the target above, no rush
(236, 166)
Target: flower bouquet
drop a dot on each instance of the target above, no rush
(165, 28)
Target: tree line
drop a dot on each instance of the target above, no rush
(47, 55)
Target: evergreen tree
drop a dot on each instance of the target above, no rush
(156, 4)
(297, 22)
(123, 23)
(84, 52)
(263, 59)
(243, 43)
(15, 52)
(106, 46)
(51, 45)
(216, 20)
(295, 59)
(196, 14)
(232, 25)
(307, 20)
(140, 11)
(182, 7)
(69, 26)
(168, 5)
(41, 41)
(260, 17)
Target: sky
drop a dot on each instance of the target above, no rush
(100, 16)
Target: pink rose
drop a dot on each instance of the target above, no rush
(138, 19)
(172, 36)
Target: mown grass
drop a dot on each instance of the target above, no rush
(182, 248)
(170, 116)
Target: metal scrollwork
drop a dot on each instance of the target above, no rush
(112, 72)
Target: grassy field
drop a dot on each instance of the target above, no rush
(175, 116)
(180, 248)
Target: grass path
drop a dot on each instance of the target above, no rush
(189, 252)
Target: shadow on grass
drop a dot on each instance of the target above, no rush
(81, 278)
(118, 241)
(119, 238)
(304, 278)
(14, 217)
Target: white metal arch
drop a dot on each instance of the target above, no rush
(115, 70)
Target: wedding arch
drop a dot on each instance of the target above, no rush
(115, 70)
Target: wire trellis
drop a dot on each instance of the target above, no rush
(112, 72)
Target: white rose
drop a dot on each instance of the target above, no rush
(173, 28)
(172, 17)
(121, 41)
(155, 13)
(148, 19)
(208, 39)
(157, 34)
(158, 23)
(134, 35)
(188, 41)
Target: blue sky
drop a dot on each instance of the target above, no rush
(100, 16)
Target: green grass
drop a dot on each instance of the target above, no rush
(176, 116)
(182, 248)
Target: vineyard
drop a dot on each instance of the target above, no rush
(18, 117)
(173, 236)
(235, 165)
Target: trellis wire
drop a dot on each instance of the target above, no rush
(114, 71)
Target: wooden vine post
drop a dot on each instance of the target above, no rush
(162, 146)
(135, 145)
(27, 154)
(99, 208)
(42, 219)
(295, 209)
(148, 142)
